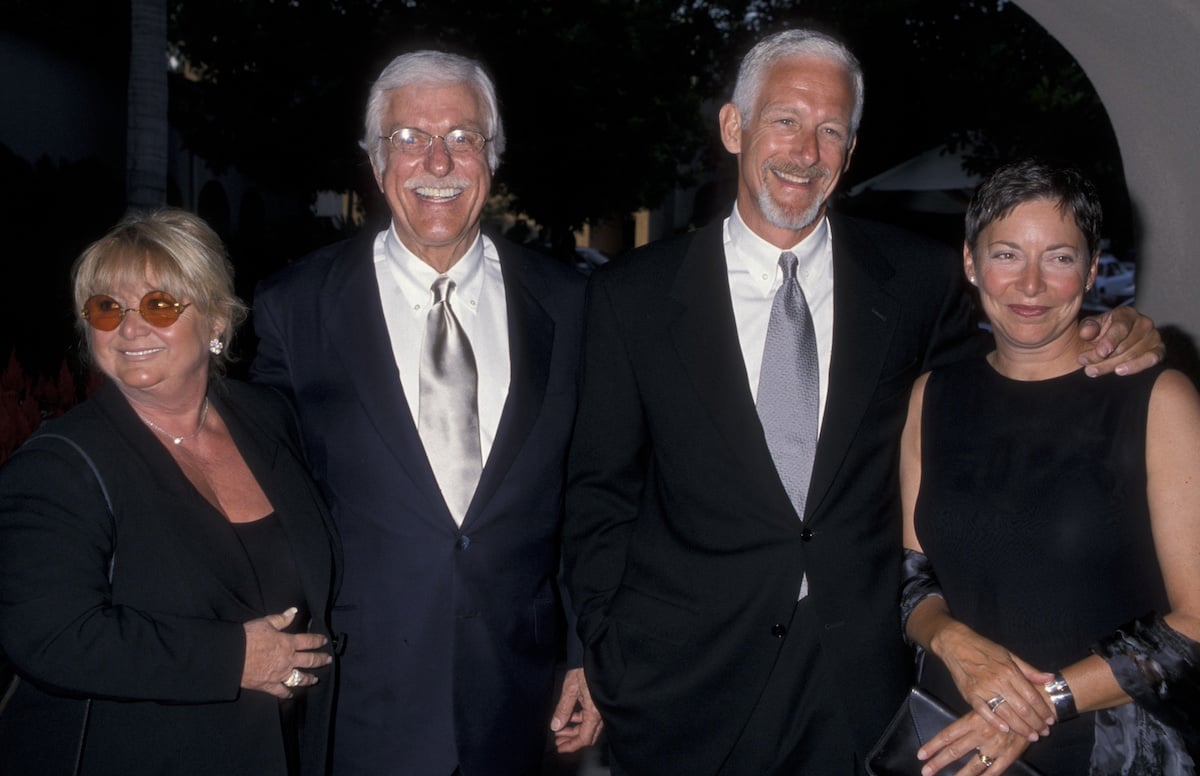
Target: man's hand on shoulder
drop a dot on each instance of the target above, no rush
(1123, 341)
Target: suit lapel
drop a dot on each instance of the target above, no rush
(530, 347)
(292, 499)
(356, 332)
(196, 525)
(865, 318)
(705, 335)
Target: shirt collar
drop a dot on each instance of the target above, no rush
(415, 278)
(761, 258)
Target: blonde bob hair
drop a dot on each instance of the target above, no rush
(183, 256)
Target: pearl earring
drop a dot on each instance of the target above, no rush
(215, 346)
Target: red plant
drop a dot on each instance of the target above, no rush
(25, 402)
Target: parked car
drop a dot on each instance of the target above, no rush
(1114, 281)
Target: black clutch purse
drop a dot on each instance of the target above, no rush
(919, 719)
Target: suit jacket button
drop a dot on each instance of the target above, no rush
(463, 542)
(806, 534)
(778, 631)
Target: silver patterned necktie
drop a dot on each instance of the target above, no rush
(789, 386)
(449, 406)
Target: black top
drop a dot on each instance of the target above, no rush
(1033, 511)
(267, 547)
(275, 567)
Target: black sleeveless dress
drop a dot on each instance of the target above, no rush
(1033, 512)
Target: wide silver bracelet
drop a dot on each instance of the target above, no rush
(1062, 698)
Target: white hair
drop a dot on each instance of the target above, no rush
(430, 67)
(795, 43)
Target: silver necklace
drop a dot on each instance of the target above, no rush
(180, 439)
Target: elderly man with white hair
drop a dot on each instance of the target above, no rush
(434, 371)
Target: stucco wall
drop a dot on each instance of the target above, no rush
(1144, 60)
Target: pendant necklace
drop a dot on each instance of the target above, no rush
(180, 439)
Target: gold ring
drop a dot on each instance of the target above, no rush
(294, 678)
(983, 758)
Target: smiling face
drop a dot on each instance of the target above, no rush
(1032, 268)
(793, 148)
(436, 198)
(152, 365)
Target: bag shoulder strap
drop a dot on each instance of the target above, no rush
(86, 459)
(99, 481)
(87, 704)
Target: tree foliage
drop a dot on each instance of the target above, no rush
(609, 104)
(600, 99)
(604, 101)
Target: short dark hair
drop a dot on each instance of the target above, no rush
(1030, 179)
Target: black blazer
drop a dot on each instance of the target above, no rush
(162, 650)
(451, 634)
(682, 549)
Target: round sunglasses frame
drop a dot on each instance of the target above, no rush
(157, 308)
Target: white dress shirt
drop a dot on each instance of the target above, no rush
(755, 276)
(406, 291)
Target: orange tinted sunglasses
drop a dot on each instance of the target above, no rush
(157, 308)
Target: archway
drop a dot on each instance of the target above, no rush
(1143, 63)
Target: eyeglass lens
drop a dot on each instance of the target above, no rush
(158, 308)
(457, 141)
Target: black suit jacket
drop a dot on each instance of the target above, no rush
(162, 651)
(683, 552)
(451, 634)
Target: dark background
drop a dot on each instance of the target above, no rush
(609, 107)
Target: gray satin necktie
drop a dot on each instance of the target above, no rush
(789, 386)
(449, 406)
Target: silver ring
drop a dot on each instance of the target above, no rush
(983, 758)
(995, 702)
(294, 678)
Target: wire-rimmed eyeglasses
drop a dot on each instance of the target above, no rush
(410, 140)
(158, 308)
